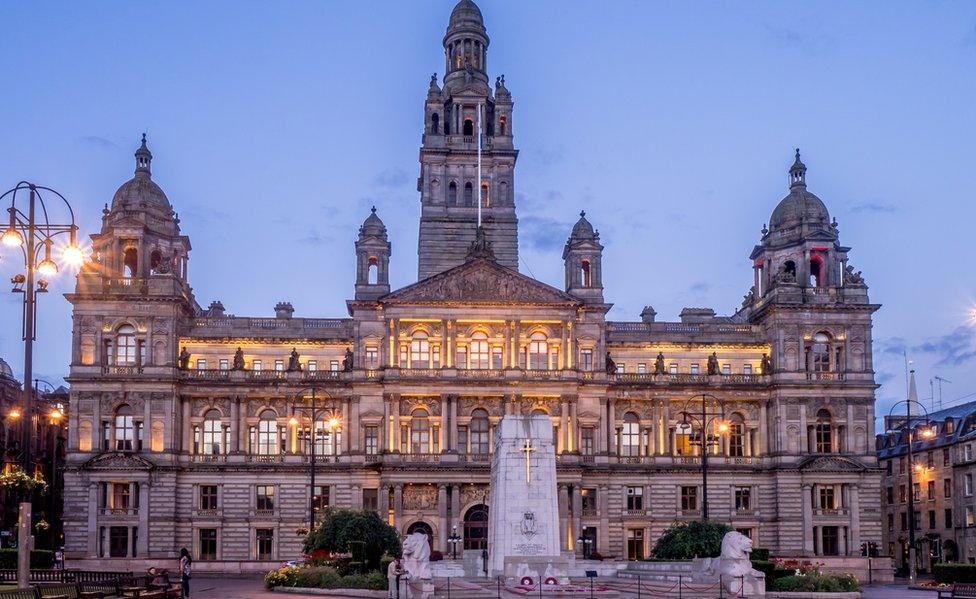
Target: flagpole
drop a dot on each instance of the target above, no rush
(479, 165)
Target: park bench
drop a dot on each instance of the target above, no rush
(960, 590)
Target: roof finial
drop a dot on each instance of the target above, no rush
(582, 213)
(798, 172)
(143, 157)
(373, 209)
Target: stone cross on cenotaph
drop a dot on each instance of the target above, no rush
(523, 522)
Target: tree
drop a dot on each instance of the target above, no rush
(342, 531)
(688, 540)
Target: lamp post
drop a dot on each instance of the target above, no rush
(34, 233)
(705, 419)
(927, 432)
(585, 542)
(454, 539)
(314, 412)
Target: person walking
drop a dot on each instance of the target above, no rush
(185, 563)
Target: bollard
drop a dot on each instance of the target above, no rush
(448, 587)
(679, 586)
(540, 586)
(498, 586)
(742, 586)
(638, 587)
(721, 589)
(591, 588)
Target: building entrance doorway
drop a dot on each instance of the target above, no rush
(476, 527)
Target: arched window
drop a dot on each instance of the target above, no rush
(419, 431)
(538, 352)
(816, 271)
(586, 275)
(156, 436)
(468, 128)
(502, 126)
(267, 441)
(479, 431)
(452, 194)
(213, 434)
(420, 350)
(823, 434)
(502, 197)
(790, 267)
(820, 353)
(125, 430)
(480, 353)
(683, 434)
(154, 259)
(125, 345)
(371, 270)
(484, 196)
(737, 436)
(85, 435)
(468, 194)
(630, 435)
(130, 263)
(435, 123)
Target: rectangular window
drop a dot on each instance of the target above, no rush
(372, 357)
(931, 518)
(930, 459)
(334, 365)
(635, 543)
(312, 366)
(888, 467)
(265, 497)
(917, 491)
(462, 440)
(496, 358)
(726, 369)
(930, 490)
(635, 498)
(829, 540)
(462, 358)
(890, 495)
(672, 368)
(118, 541)
(827, 498)
(586, 440)
(371, 502)
(201, 364)
(265, 543)
(586, 359)
(223, 365)
(948, 518)
(694, 369)
(968, 485)
(404, 356)
(372, 440)
(208, 497)
(901, 465)
(588, 500)
(689, 498)
(641, 368)
(904, 521)
(970, 516)
(891, 522)
(320, 497)
(968, 452)
(621, 368)
(747, 369)
(743, 498)
(945, 456)
(120, 498)
(435, 356)
(947, 488)
(208, 544)
(279, 365)
(918, 521)
(902, 494)
(256, 365)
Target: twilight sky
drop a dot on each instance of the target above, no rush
(276, 125)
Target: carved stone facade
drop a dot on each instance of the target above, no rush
(215, 457)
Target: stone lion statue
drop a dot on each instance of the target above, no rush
(416, 556)
(738, 577)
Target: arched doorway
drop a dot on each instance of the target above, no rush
(950, 551)
(424, 528)
(476, 527)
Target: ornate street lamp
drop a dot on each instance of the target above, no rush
(315, 413)
(712, 414)
(34, 233)
(927, 432)
(454, 539)
(585, 542)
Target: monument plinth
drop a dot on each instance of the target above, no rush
(523, 528)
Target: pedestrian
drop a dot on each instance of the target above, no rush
(59, 559)
(185, 563)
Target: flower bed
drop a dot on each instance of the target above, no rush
(322, 577)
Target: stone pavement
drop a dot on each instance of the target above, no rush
(253, 588)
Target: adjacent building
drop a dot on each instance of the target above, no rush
(189, 427)
(943, 465)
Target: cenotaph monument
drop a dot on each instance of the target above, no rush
(523, 523)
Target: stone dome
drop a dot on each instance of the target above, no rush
(583, 230)
(140, 191)
(5, 370)
(799, 207)
(466, 14)
(373, 226)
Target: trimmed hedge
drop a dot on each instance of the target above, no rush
(40, 559)
(949, 573)
(760, 554)
(323, 577)
(817, 583)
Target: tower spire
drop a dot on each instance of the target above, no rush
(143, 158)
(798, 172)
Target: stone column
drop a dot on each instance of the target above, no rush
(395, 411)
(563, 426)
(603, 536)
(355, 426)
(398, 506)
(347, 424)
(445, 423)
(807, 519)
(393, 343)
(563, 517)
(854, 509)
(93, 533)
(574, 427)
(611, 428)
(235, 424)
(761, 449)
(667, 428)
(454, 419)
(456, 506)
(383, 502)
(385, 426)
(442, 522)
(143, 540)
(577, 503)
(185, 412)
(849, 429)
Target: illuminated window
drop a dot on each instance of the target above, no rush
(479, 351)
(694, 369)
(823, 435)
(479, 431)
(213, 434)
(420, 351)
(747, 369)
(267, 430)
(641, 368)
(279, 365)
(256, 365)
(586, 274)
(820, 353)
(496, 357)
(223, 365)
(484, 195)
(201, 364)
(682, 440)
(124, 429)
(419, 432)
(630, 435)
(586, 359)
(538, 352)
(372, 356)
(737, 436)
(125, 345)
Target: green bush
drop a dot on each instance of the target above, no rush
(687, 540)
(949, 573)
(377, 581)
(760, 554)
(817, 583)
(39, 559)
(385, 564)
(346, 531)
(322, 577)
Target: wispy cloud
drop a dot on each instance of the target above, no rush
(392, 178)
(804, 40)
(699, 287)
(872, 207)
(952, 349)
(99, 142)
(544, 233)
(315, 238)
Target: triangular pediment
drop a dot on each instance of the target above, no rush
(830, 463)
(118, 460)
(479, 281)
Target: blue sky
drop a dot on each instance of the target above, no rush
(276, 125)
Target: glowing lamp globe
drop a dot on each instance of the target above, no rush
(12, 238)
(47, 268)
(73, 256)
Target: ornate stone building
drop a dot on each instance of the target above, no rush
(185, 431)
